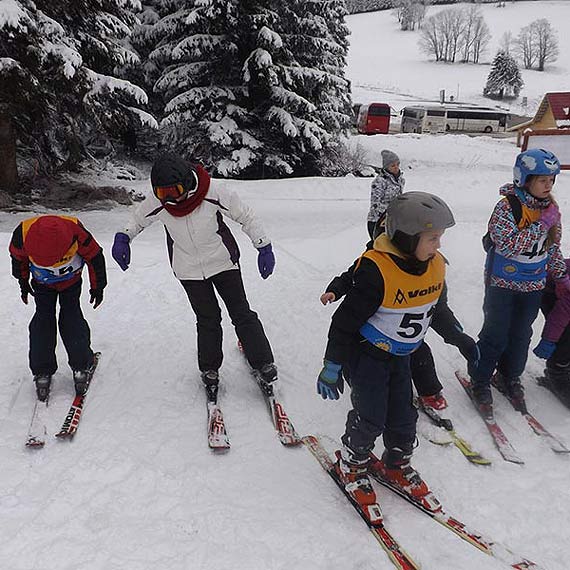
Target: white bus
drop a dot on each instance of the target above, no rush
(420, 119)
(477, 120)
(423, 119)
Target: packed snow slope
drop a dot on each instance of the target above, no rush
(139, 489)
(386, 64)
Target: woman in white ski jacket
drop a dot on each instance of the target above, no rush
(205, 257)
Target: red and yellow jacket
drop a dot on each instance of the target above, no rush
(53, 249)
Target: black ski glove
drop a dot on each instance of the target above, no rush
(96, 297)
(25, 290)
(468, 349)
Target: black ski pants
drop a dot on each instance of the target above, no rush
(424, 375)
(249, 330)
(381, 396)
(73, 329)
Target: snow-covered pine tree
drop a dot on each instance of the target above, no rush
(39, 65)
(504, 80)
(205, 115)
(106, 105)
(281, 89)
(320, 46)
(61, 64)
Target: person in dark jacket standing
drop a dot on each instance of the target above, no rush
(205, 257)
(396, 295)
(53, 250)
(422, 364)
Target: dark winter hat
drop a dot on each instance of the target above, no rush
(170, 169)
(388, 158)
(48, 240)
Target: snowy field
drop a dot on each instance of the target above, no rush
(387, 65)
(138, 488)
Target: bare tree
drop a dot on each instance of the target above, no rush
(525, 46)
(432, 39)
(537, 43)
(481, 38)
(546, 42)
(453, 33)
(475, 35)
(507, 42)
(410, 13)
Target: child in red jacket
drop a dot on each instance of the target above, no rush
(53, 249)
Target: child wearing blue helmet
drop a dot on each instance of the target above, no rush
(523, 247)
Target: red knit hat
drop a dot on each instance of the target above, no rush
(48, 240)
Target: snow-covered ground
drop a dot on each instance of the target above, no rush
(387, 65)
(138, 488)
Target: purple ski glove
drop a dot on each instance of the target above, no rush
(550, 216)
(265, 261)
(121, 251)
(562, 286)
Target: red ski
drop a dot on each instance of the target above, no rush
(397, 555)
(501, 441)
(71, 422)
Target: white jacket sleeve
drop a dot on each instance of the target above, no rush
(238, 211)
(143, 216)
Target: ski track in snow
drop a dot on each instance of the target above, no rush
(139, 489)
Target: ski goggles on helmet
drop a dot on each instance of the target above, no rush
(169, 193)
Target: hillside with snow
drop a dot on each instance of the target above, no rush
(387, 65)
(139, 489)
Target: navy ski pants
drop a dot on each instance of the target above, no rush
(506, 333)
(73, 329)
(382, 404)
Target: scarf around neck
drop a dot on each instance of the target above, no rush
(192, 202)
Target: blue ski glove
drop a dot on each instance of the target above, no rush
(545, 349)
(265, 261)
(121, 251)
(330, 381)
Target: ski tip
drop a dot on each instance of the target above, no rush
(34, 444)
(220, 447)
(289, 440)
(65, 435)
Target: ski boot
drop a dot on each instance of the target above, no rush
(395, 471)
(211, 381)
(268, 373)
(81, 380)
(353, 475)
(557, 379)
(483, 400)
(43, 383)
(435, 401)
(512, 389)
(265, 376)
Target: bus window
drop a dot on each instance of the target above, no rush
(374, 119)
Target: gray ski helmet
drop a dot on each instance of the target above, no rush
(411, 213)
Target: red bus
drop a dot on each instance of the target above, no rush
(373, 119)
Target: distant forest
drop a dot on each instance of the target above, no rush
(357, 6)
